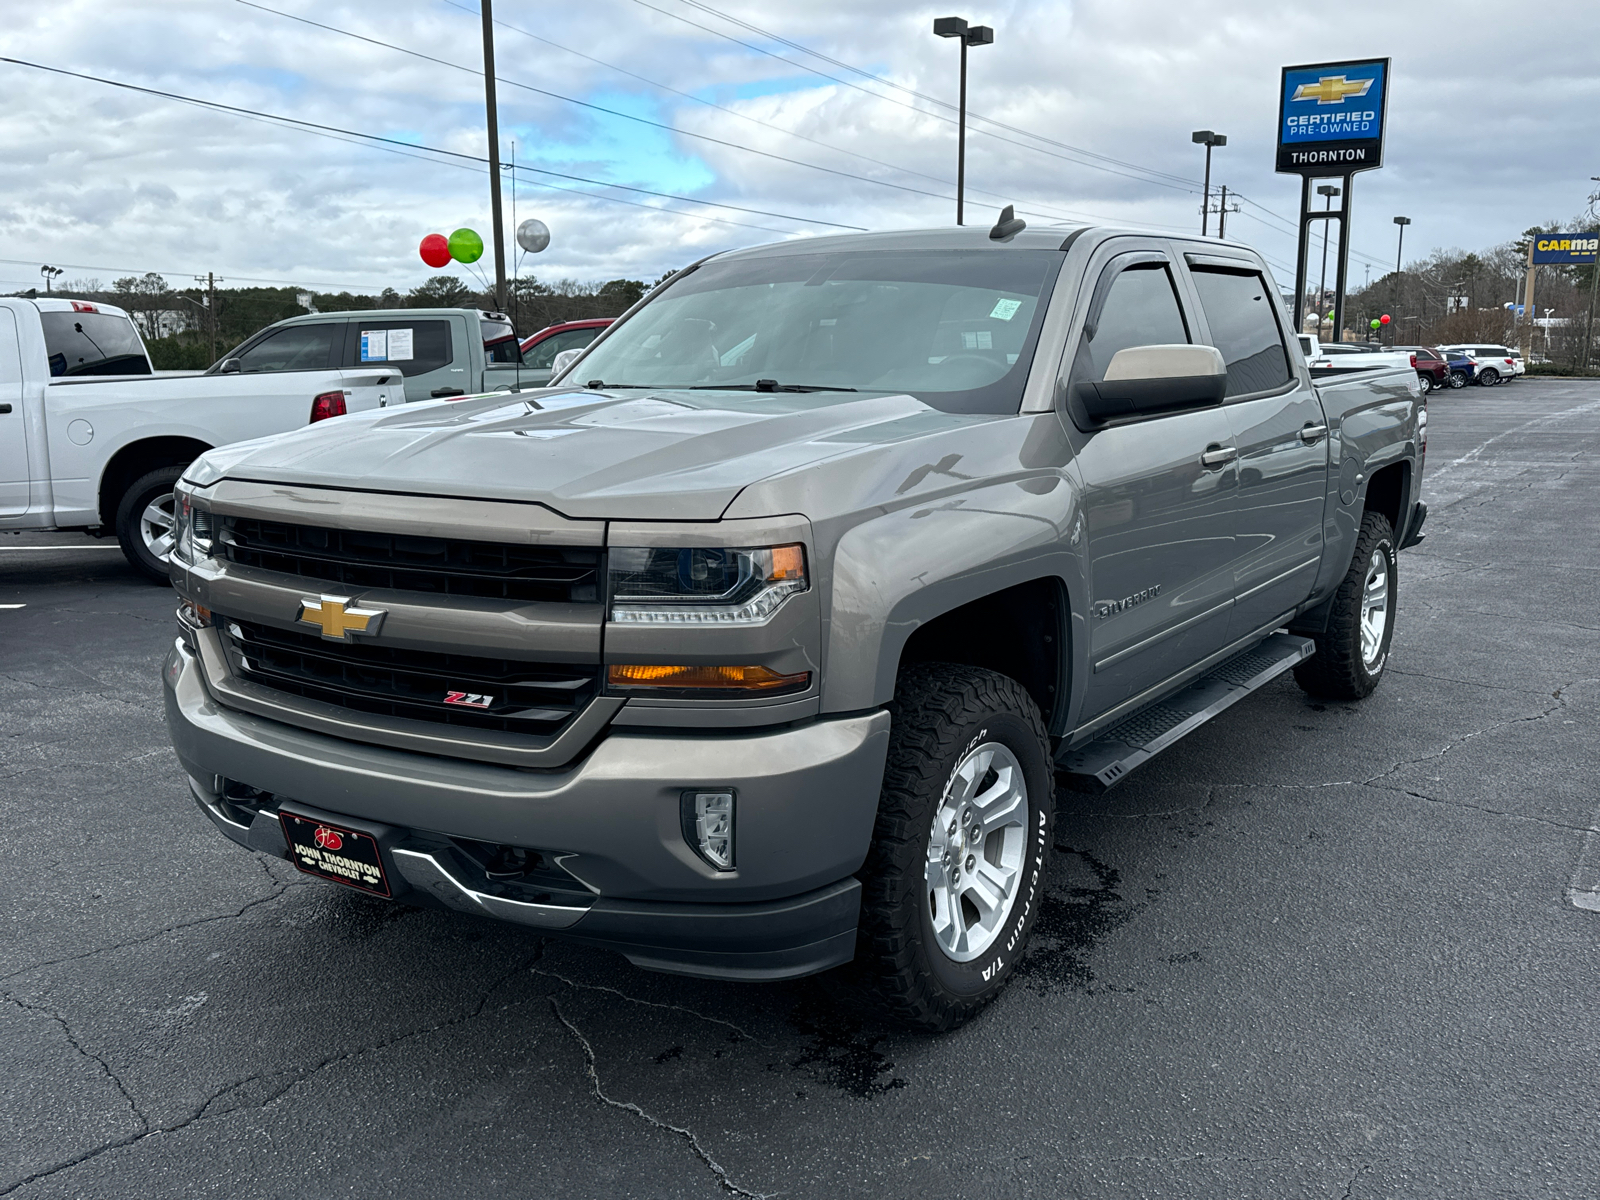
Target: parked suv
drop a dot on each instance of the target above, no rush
(1494, 363)
(1430, 364)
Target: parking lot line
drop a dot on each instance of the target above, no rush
(14, 549)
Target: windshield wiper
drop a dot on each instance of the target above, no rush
(766, 385)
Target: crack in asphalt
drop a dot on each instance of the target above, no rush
(688, 1135)
(116, 762)
(598, 987)
(72, 1040)
(1351, 1182)
(298, 1074)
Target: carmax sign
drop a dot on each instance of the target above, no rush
(1568, 248)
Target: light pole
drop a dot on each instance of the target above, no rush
(1327, 191)
(50, 274)
(1399, 246)
(1204, 137)
(969, 35)
(492, 112)
(1594, 288)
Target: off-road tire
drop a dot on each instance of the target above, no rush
(143, 491)
(1337, 670)
(940, 712)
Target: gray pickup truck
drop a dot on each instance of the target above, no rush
(756, 644)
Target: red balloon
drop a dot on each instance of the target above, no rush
(435, 250)
(1384, 318)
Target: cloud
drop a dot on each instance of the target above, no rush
(1479, 148)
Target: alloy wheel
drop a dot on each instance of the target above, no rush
(976, 848)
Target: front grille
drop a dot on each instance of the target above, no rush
(437, 566)
(521, 697)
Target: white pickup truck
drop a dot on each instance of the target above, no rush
(91, 438)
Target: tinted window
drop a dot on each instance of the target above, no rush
(544, 353)
(1427, 356)
(1244, 328)
(414, 347)
(500, 342)
(954, 328)
(292, 348)
(1141, 309)
(92, 344)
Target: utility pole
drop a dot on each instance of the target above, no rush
(494, 157)
(1525, 339)
(1594, 287)
(1204, 137)
(1222, 214)
(969, 35)
(210, 280)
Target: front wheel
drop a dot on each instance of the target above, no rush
(1458, 379)
(146, 522)
(1354, 647)
(953, 879)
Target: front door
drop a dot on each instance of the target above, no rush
(429, 353)
(1282, 440)
(1157, 502)
(13, 423)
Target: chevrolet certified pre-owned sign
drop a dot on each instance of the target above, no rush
(1568, 248)
(1330, 117)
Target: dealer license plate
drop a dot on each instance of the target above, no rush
(327, 851)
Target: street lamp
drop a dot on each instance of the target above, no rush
(969, 35)
(1399, 245)
(1327, 191)
(1204, 137)
(50, 274)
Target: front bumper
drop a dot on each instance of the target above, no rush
(807, 801)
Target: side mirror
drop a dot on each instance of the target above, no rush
(230, 366)
(1144, 381)
(564, 360)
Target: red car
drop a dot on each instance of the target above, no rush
(1431, 366)
(539, 350)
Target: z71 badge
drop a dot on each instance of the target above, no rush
(468, 699)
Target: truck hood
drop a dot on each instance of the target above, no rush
(655, 455)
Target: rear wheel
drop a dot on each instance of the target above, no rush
(146, 521)
(1428, 384)
(1488, 377)
(1354, 647)
(952, 881)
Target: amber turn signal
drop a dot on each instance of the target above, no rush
(732, 679)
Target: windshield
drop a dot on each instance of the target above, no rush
(956, 329)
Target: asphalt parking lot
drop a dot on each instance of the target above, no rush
(1313, 950)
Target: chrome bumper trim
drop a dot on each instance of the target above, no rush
(425, 873)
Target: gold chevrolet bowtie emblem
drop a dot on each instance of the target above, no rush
(1333, 89)
(337, 617)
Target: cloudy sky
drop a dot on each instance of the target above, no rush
(764, 121)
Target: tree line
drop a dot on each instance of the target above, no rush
(184, 334)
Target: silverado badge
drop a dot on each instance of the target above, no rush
(337, 617)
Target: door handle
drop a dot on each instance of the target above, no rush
(1312, 434)
(441, 393)
(1218, 456)
(5, 408)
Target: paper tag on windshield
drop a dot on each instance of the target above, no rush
(374, 345)
(1006, 309)
(400, 345)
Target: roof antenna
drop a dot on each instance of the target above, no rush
(1008, 226)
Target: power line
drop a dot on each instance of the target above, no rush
(475, 158)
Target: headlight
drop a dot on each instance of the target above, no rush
(193, 530)
(670, 586)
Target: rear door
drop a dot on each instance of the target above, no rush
(13, 425)
(1282, 442)
(1158, 493)
(430, 353)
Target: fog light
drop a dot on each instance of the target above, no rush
(708, 826)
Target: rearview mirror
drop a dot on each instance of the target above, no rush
(1144, 381)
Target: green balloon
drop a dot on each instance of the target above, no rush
(1374, 323)
(466, 246)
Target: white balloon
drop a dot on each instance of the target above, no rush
(533, 235)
